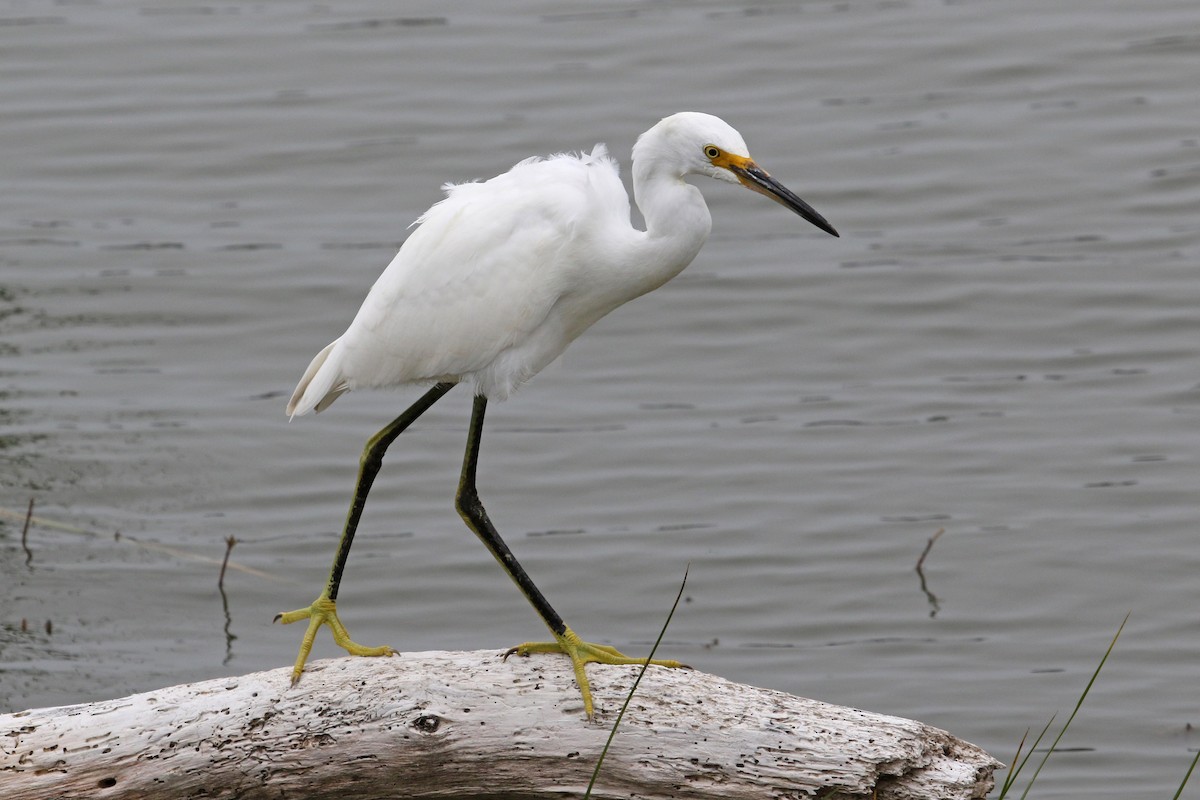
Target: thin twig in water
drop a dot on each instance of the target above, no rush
(229, 637)
(928, 547)
(229, 543)
(930, 596)
(25, 534)
(628, 697)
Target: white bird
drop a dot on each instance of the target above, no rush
(494, 283)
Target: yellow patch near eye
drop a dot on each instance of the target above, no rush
(720, 158)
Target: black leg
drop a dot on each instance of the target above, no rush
(323, 610)
(566, 641)
(368, 467)
(473, 513)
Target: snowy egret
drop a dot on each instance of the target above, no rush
(494, 283)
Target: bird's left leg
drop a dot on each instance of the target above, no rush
(323, 611)
(565, 640)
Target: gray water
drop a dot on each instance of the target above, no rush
(1003, 345)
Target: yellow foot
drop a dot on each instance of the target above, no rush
(323, 611)
(580, 653)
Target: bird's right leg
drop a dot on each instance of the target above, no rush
(323, 611)
(566, 641)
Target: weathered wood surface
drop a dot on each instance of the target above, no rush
(469, 725)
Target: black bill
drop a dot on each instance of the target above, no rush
(756, 179)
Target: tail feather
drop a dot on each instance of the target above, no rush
(320, 386)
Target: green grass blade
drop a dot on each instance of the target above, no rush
(612, 733)
(1016, 769)
(1014, 765)
(1187, 777)
(1082, 697)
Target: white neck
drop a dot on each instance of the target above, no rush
(677, 221)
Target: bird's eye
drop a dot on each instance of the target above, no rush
(712, 151)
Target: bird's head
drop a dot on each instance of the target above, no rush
(701, 144)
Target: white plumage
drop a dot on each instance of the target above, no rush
(499, 277)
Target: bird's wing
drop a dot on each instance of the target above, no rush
(476, 279)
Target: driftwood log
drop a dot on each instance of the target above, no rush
(469, 725)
